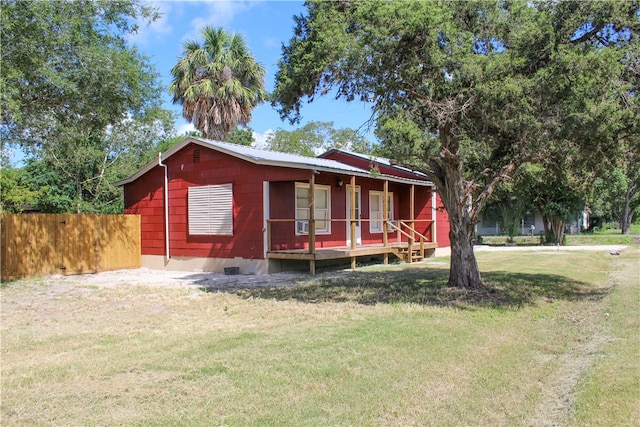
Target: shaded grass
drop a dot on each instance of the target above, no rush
(503, 289)
(508, 284)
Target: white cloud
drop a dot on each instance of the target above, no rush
(184, 128)
(161, 25)
(156, 30)
(261, 138)
(217, 14)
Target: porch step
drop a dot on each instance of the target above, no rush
(409, 256)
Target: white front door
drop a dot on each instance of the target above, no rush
(348, 216)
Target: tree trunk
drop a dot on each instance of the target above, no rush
(464, 271)
(214, 133)
(627, 214)
(557, 227)
(79, 195)
(547, 232)
(455, 194)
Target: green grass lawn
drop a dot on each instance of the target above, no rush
(634, 229)
(585, 239)
(599, 239)
(552, 340)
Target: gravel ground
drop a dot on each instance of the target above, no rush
(161, 278)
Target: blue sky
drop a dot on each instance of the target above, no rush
(265, 26)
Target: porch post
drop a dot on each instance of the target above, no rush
(352, 212)
(312, 223)
(385, 218)
(412, 208)
(266, 215)
(433, 215)
(412, 215)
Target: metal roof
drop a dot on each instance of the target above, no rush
(275, 158)
(270, 158)
(376, 159)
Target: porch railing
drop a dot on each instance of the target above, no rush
(411, 236)
(404, 228)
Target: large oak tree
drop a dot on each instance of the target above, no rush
(77, 97)
(460, 89)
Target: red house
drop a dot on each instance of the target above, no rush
(208, 205)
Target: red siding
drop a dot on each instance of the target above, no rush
(283, 205)
(422, 206)
(442, 224)
(145, 196)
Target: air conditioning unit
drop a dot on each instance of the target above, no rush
(302, 227)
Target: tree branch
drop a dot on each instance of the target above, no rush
(498, 177)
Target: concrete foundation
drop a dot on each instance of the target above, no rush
(213, 265)
(259, 266)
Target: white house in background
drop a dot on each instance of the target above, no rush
(487, 226)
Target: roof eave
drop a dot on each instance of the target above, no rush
(265, 162)
(380, 160)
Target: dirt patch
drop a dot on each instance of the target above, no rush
(124, 279)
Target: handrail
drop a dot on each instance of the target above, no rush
(411, 229)
(403, 223)
(398, 228)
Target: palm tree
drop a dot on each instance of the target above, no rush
(218, 83)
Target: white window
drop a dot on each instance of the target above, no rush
(211, 209)
(322, 211)
(376, 209)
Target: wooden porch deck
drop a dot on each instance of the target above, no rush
(401, 250)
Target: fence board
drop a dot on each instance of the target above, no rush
(42, 244)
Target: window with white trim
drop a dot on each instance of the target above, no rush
(376, 208)
(322, 211)
(211, 210)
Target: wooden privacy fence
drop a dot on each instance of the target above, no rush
(43, 244)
